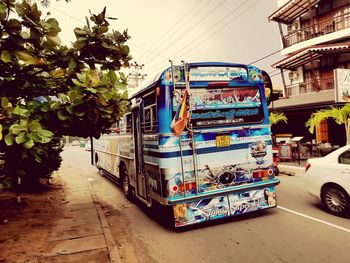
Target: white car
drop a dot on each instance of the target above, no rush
(328, 179)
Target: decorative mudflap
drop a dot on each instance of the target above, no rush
(223, 206)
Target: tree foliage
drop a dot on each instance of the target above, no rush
(340, 115)
(48, 90)
(276, 117)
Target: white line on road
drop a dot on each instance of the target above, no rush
(315, 219)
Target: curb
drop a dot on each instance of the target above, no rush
(290, 170)
(113, 250)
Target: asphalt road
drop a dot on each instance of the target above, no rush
(297, 231)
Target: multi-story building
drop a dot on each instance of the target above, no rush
(315, 60)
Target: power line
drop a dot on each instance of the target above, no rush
(229, 22)
(156, 43)
(269, 55)
(203, 18)
(201, 42)
(233, 11)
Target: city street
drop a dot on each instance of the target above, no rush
(297, 231)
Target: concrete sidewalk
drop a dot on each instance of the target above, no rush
(83, 235)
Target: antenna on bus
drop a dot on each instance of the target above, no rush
(172, 75)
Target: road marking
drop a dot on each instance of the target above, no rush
(315, 219)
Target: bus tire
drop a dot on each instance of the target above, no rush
(128, 190)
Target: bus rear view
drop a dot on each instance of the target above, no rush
(199, 143)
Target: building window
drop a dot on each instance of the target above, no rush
(347, 16)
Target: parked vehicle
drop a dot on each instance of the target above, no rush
(88, 146)
(75, 143)
(328, 178)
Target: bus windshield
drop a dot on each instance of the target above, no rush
(225, 106)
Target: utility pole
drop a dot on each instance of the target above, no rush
(135, 76)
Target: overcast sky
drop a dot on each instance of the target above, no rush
(191, 30)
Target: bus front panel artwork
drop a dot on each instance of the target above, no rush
(197, 140)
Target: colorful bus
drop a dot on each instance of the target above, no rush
(196, 142)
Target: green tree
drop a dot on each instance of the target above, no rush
(340, 115)
(276, 117)
(48, 90)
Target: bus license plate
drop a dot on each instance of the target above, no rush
(222, 140)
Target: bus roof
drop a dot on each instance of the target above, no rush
(161, 76)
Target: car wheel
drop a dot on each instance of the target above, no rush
(125, 184)
(336, 200)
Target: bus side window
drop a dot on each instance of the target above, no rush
(129, 123)
(150, 119)
(150, 122)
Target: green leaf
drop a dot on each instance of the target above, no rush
(77, 82)
(92, 90)
(81, 77)
(102, 29)
(0, 132)
(80, 113)
(21, 138)
(72, 63)
(55, 105)
(112, 76)
(45, 133)
(54, 39)
(6, 56)
(61, 115)
(27, 57)
(53, 23)
(79, 32)
(14, 25)
(33, 104)
(9, 139)
(21, 111)
(5, 104)
(29, 144)
(70, 109)
(3, 8)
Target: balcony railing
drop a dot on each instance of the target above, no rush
(322, 28)
(310, 86)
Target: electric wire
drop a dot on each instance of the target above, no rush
(203, 18)
(218, 30)
(158, 41)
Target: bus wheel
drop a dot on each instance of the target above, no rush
(125, 184)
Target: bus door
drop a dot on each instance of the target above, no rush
(141, 176)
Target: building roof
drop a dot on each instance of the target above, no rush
(308, 54)
(292, 10)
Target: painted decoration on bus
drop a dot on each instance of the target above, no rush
(222, 98)
(217, 177)
(204, 118)
(258, 151)
(223, 206)
(223, 106)
(255, 74)
(208, 139)
(178, 74)
(217, 73)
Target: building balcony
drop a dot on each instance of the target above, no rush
(310, 86)
(325, 27)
